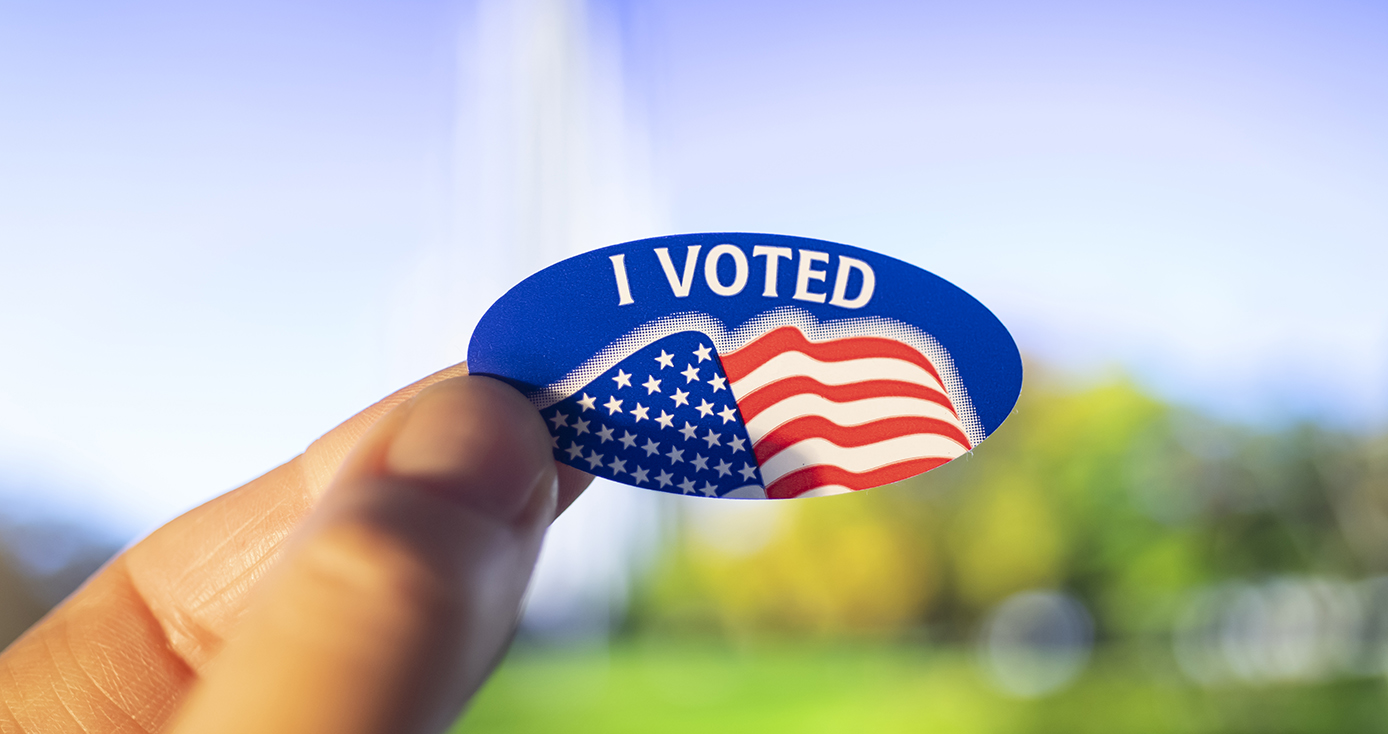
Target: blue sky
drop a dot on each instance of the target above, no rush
(1190, 191)
(210, 214)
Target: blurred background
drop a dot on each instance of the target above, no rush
(225, 227)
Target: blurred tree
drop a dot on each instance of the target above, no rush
(830, 565)
(1100, 489)
(19, 606)
(41, 562)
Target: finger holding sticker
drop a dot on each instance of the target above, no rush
(751, 365)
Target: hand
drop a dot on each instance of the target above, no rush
(368, 585)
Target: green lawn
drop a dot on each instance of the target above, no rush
(637, 686)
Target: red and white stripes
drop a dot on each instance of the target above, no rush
(841, 414)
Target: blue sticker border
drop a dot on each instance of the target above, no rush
(559, 317)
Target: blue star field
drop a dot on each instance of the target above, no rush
(663, 418)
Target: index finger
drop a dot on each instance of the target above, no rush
(119, 653)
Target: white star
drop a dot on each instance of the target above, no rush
(622, 379)
(613, 405)
(594, 461)
(666, 420)
(664, 478)
(680, 397)
(709, 490)
(665, 360)
(618, 465)
(581, 427)
(651, 447)
(719, 382)
(675, 455)
(574, 451)
(702, 353)
(728, 414)
(748, 472)
(639, 475)
(687, 486)
(560, 420)
(691, 374)
(724, 468)
(605, 434)
(628, 439)
(689, 430)
(651, 384)
(554, 441)
(705, 408)
(699, 462)
(640, 412)
(712, 438)
(587, 401)
(736, 443)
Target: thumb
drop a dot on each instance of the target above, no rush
(403, 589)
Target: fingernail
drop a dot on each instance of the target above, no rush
(479, 441)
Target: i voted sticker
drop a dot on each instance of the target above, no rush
(751, 365)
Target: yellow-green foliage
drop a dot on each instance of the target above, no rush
(830, 565)
(1005, 538)
(1101, 490)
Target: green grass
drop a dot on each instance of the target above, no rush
(661, 686)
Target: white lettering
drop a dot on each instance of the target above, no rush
(739, 270)
(619, 269)
(680, 286)
(807, 273)
(773, 257)
(847, 264)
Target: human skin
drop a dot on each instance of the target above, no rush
(368, 585)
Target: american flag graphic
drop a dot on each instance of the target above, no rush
(779, 408)
(842, 414)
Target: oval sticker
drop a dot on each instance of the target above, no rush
(751, 365)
